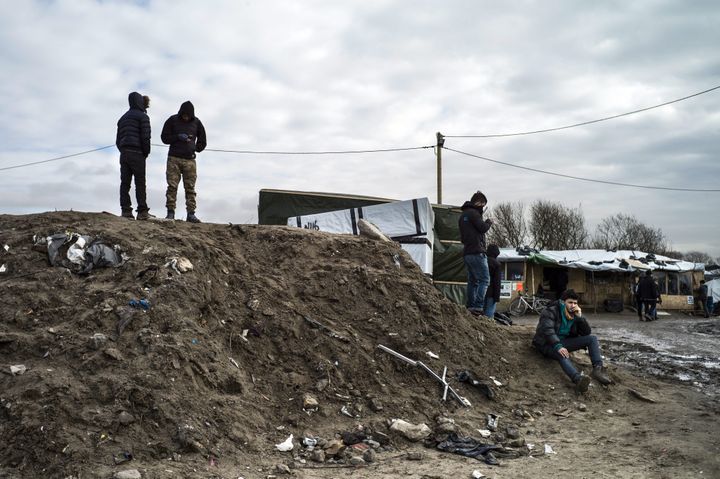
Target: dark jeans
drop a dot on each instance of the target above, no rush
(575, 344)
(650, 307)
(707, 306)
(478, 279)
(132, 164)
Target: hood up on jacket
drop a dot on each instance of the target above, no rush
(188, 109)
(493, 251)
(468, 205)
(136, 102)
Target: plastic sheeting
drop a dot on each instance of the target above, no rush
(620, 261)
(409, 222)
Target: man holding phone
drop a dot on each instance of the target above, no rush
(563, 329)
(472, 234)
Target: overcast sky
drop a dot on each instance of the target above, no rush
(344, 75)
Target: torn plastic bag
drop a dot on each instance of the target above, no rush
(79, 253)
(99, 255)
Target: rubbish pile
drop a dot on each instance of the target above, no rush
(189, 347)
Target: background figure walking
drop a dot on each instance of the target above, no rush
(133, 141)
(186, 136)
(647, 295)
(472, 233)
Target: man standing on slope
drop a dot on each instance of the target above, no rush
(133, 141)
(186, 136)
(472, 233)
(563, 329)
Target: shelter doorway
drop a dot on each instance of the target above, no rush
(555, 281)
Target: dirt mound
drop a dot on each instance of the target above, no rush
(220, 365)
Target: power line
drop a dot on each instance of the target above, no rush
(254, 152)
(56, 159)
(499, 135)
(336, 152)
(581, 178)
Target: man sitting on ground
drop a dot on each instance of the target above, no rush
(563, 329)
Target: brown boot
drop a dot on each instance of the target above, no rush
(582, 384)
(598, 374)
(143, 215)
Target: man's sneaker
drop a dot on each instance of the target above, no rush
(128, 215)
(170, 215)
(476, 311)
(191, 218)
(582, 384)
(143, 215)
(598, 374)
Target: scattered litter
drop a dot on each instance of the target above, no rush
(485, 432)
(476, 474)
(369, 230)
(3, 268)
(442, 380)
(492, 421)
(549, 449)
(122, 457)
(18, 369)
(142, 303)
(286, 445)
(180, 264)
(412, 432)
(495, 381)
(309, 442)
(609, 411)
(79, 253)
(344, 410)
(330, 332)
(468, 377)
(234, 362)
(469, 447)
(432, 355)
(6, 247)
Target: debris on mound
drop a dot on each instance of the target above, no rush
(217, 341)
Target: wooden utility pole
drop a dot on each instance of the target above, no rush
(438, 150)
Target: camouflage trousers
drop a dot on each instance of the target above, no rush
(177, 168)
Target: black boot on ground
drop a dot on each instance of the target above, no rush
(191, 218)
(598, 374)
(170, 215)
(128, 215)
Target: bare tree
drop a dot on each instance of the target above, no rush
(555, 226)
(509, 228)
(623, 231)
(698, 257)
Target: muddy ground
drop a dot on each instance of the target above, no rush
(222, 365)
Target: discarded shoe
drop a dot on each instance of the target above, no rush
(143, 215)
(128, 215)
(598, 374)
(492, 421)
(191, 218)
(582, 384)
(490, 459)
(170, 215)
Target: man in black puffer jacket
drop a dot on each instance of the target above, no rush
(562, 329)
(472, 234)
(133, 141)
(185, 134)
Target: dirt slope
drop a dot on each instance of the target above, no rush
(214, 373)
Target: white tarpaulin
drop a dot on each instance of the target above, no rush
(408, 222)
(621, 260)
(714, 289)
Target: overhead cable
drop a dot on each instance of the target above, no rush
(547, 130)
(615, 183)
(56, 159)
(336, 152)
(253, 152)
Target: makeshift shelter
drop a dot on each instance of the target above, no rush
(410, 223)
(597, 275)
